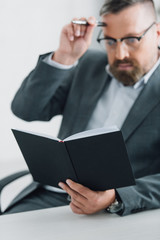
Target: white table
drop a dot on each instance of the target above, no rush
(61, 224)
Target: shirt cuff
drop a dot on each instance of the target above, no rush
(55, 64)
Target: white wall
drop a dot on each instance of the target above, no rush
(29, 28)
(157, 5)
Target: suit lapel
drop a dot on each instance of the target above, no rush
(147, 100)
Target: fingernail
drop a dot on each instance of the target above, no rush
(68, 182)
(91, 20)
(60, 185)
(71, 38)
(77, 33)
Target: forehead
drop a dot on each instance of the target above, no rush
(131, 20)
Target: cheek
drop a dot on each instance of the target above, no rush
(147, 56)
(111, 57)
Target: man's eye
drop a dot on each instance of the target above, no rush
(110, 42)
(131, 40)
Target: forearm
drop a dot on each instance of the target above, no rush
(43, 93)
(144, 195)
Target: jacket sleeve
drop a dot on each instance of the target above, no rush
(43, 92)
(144, 195)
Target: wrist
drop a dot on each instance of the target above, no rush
(116, 206)
(63, 58)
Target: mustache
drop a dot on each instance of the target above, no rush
(126, 60)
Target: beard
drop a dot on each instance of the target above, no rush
(127, 77)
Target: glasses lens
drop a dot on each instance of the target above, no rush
(108, 43)
(131, 42)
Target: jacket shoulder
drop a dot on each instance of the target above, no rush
(94, 56)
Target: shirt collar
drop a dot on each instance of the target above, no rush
(144, 79)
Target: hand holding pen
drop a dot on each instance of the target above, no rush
(75, 40)
(83, 25)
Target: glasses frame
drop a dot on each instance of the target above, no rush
(124, 38)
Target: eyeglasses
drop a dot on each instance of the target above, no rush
(131, 42)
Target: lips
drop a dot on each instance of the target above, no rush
(124, 66)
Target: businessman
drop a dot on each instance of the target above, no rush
(91, 89)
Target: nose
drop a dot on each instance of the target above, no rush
(121, 51)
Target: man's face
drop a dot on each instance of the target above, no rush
(128, 64)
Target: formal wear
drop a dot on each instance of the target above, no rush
(48, 91)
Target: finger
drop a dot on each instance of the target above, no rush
(75, 209)
(77, 203)
(82, 190)
(74, 195)
(83, 27)
(92, 21)
(70, 191)
(70, 32)
(76, 28)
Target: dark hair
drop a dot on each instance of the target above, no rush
(115, 6)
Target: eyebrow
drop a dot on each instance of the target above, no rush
(127, 35)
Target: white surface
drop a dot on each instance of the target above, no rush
(61, 224)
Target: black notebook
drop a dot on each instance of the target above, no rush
(96, 158)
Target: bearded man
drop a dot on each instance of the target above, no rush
(93, 89)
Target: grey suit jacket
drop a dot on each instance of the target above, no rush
(48, 91)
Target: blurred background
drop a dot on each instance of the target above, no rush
(27, 29)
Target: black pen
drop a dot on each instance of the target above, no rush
(83, 22)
